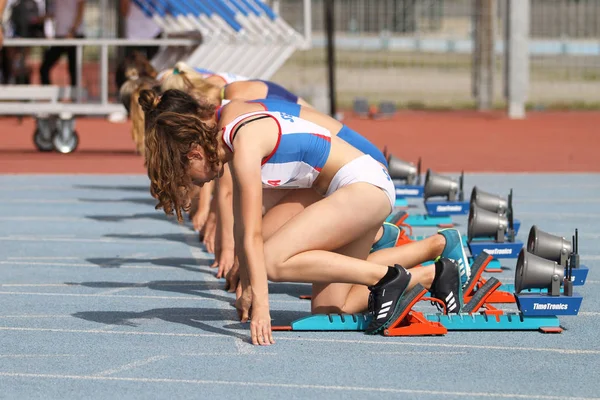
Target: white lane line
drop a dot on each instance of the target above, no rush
(37, 316)
(95, 331)
(122, 289)
(418, 353)
(293, 386)
(71, 201)
(36, 187)
(244, 348)
(304, 339)
(197, 298)
(82, 265)
(156, 284)
(41, 201)
(36, 285)
(80, 240)
(43, 258)
(443, 345)
(44, 219)
(130, 366)
(39, 355)
(226, 354)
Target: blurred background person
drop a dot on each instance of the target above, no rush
(21, 19)
(68, 24)
(135, 26)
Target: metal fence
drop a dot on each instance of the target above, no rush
(419, 53)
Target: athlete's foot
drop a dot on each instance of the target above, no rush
(388, 239)
(454, 250)
(446, 285)
(385, 298)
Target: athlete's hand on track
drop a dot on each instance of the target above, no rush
(260, 326)
(199, 219)
(226, 259)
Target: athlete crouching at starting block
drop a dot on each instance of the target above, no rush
(326, 244)
(216, 88)
(271, 97)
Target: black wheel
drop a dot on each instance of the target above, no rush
(42, 143)
(65, 146)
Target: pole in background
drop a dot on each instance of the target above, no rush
(484, 49)
(517, 57)
(329, 28)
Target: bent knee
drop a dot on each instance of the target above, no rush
(273, 263)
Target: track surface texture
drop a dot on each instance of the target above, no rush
(103, 297)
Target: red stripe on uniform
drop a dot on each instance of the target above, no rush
(324, 137)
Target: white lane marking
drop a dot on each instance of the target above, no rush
(197, 298)
(304, 339)
(293, 386)
(131, 365)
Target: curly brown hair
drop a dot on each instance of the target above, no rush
(175, 124)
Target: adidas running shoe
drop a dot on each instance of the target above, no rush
(446, 285)
(384, 300)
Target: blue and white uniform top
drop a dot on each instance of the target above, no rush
(300, 153)
(225, 76)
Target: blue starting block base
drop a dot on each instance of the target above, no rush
(580, 275)
(427, 220)
(497, 250)
(505, 322)
(456, 322)
(445, 208)
(408, 190)
(538, 304)
(401, 202)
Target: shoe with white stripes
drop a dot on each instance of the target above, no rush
(385, 300)
(447, 286)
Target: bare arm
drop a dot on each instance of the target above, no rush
(78, 17)
(248, 219)
(246, 171)
(225, 205)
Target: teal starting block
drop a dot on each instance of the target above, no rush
(401, 202)
(427, 220)
(332, 322)
(453, 322)
(504, 322)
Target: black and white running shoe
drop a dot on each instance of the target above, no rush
(447, 285)
(385, 300)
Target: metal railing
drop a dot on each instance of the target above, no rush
(103, 107)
